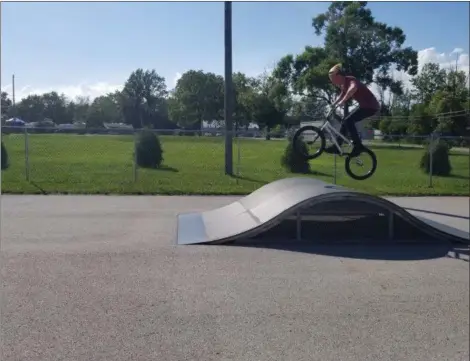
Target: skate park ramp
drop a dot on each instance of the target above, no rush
(310, 209)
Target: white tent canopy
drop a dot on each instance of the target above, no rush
(16, 121)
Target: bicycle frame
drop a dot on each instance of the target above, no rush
(333, 133)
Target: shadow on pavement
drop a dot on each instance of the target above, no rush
(364, 237)
(383, 251)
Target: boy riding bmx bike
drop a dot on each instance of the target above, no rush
(351, 88)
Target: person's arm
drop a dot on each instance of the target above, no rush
(352, 88)
(338, 99)
(334, 105)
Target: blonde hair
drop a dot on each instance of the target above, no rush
(336, 69)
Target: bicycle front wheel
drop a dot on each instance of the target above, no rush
(309, 142)
(362, 166)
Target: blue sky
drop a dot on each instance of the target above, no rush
(87, 47)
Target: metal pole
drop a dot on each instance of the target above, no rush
(26, 153)
(334, 170)
(228, 89)
(430, 149)
(135, 156)
(238, 155)
(13, 91)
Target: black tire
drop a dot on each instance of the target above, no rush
(371, 171)
(298, 134)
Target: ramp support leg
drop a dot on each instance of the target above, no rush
(391, 226)
(298, 226)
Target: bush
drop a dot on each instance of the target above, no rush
(293, 162)
(440, 159)
(149, 152)
(4, 157)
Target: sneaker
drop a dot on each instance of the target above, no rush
(332, 149)
(357, 149)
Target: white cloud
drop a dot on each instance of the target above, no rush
(92, 90)
(457, 51)
(176, 78)
(456, 58)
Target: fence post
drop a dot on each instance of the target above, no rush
(135, 156)
(334, 168)
(430, 159)
(26, 153)
(238, 155)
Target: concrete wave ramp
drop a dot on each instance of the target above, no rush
(310, 209)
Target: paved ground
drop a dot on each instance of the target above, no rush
(99, 278)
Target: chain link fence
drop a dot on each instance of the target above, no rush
(74, 160)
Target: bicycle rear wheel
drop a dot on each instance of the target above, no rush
(366, 161)
(306, 137)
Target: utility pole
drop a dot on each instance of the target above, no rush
(228, 96)
(13, 88)
(13, 112)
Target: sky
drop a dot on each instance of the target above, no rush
(90, 48)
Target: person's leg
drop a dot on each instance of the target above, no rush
(351, 126)
(343, 130)
(350, 123)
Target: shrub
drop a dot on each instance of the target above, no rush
(149, 152)
(440, 159)
(293, 162)
(4, 157)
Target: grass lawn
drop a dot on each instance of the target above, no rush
(103, 164)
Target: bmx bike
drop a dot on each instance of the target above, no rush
(309, 134)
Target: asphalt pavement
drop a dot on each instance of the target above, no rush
(100, 278)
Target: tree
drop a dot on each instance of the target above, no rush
(308, 108)
(385, 82)
(177, 113)
(268, 103)
(400, 105)
(6, 106)
(265, 113)
(31, 108)
(305, 74)
(452, 100)
(78, 109)
(421, 122)
(428, 82)
(277, 92)
(197, 96)
(35, 108)
(55, 107)
(361, 44)
(103, 110)
(243, 88)
(353, 38)
(143, 98)
(149, 152)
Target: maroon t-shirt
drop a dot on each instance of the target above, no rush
(363, 95)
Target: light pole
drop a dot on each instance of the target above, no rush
(228, 104)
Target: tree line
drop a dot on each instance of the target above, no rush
(297, 89)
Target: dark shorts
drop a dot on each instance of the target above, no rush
(360, 114)
(356, 116)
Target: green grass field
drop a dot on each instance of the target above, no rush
(93, 164)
